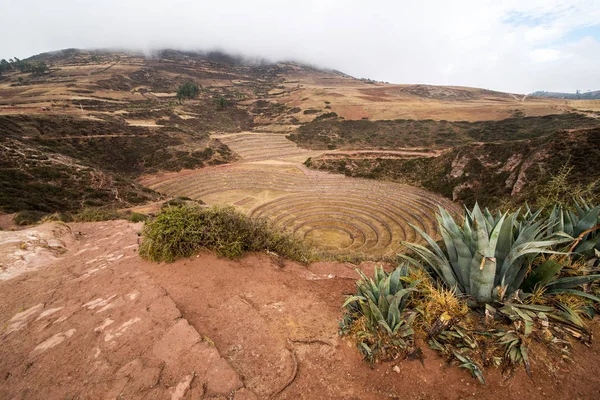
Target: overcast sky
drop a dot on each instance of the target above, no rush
(514, 45)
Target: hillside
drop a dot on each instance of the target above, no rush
(492, 173)
(81, 133)
(333, 133)
(591, 95)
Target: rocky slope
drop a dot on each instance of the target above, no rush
(491, 173)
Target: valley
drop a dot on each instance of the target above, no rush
(141, 223)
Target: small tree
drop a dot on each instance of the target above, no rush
(188, 90)
(39, 68)
(221, 102)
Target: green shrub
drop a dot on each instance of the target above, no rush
(61, 217)
(137, 217)
(181, 231)
(221, 102)
(180, 201)
(28, 217)
(96, 214)
(188, 90)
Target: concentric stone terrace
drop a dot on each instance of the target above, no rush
(334, 212)
(264, 146)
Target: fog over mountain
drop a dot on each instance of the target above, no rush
(509, 45)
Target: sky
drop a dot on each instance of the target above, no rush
(516, 46)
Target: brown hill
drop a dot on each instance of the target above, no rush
(80, 134)
(492, 173)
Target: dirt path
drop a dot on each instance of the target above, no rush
(100, 323)
(388, 154)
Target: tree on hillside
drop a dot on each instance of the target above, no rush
(4, 66)
(221, 102)
(39, 68)
(187, 90)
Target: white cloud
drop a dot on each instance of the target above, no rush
(510, 45)
(545, 55)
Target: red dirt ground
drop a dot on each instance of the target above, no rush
(99, 322)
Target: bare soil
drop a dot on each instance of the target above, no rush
(99, 322)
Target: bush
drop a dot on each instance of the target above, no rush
(137, 217)
(181, 231)
(61, 217)
(221, 102)
(188, 90)
(96, 214)
(181, 201)
(28, 217)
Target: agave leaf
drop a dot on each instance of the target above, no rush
(483, 272)
(533, 307)
(570, 222)
(586, 247)
(527, 320)
(525, 358)
(379, 274)
(478, 218)
(374, 289)
(448, 241)
(395, 282)
(430, 242)
(471, 366)
(504, 244)
(514, 270)
(366, 310)
(588, 219)
(439, 264)
(573, 281)
(385, 288)
(400, 294)
(570, 315)
(375, 312)
(541, 275)
(382, 323)
(352, 299)
(362, 275)
(575, 293)
(366, 348)
(448, 221)
(383, 306)
(394, 312)
(579, 209)
(495, 237)
(404, 330)
(367, 291)
(464, 257)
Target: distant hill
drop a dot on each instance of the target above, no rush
(594, 95)
(82, 131)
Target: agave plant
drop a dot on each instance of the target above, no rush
(487, 257)
(382, 300)
(582, 224)
(547, 276)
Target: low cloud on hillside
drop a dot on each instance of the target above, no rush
(514, 45)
